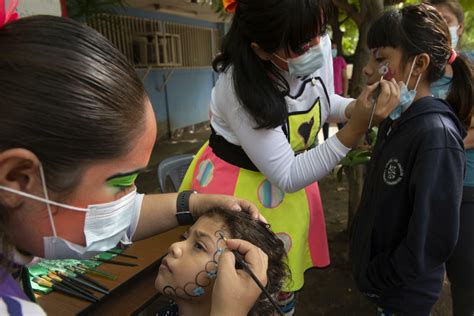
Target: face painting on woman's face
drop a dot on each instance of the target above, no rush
(190, 267)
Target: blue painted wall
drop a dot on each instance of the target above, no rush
(184, 100)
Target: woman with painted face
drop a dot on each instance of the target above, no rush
(274, 91)
(460, 266)
(76, 126)
(407, 223)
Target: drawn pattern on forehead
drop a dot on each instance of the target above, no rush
(203, 278)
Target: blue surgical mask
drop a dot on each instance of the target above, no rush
(306, 64)
(406, 96)
(440, 88)
(334, 52)
(453, 31)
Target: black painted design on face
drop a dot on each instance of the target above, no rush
(203, 278)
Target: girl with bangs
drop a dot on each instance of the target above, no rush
(407, 224)
(274, 92)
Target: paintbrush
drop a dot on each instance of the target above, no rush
(241, 262)
(80, 274)
(56, 280)
(61, 289)
(120, 263)
(99, 272)
(75, 280)
(386, 74)
(121, 254)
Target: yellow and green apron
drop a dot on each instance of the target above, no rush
(297, 218)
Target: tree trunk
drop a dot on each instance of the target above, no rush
(369, 11)
(336, 30)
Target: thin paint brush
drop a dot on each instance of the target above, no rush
(58, 281)
(99, 273)
(79, 282)
(121, 254)
(120, 263)
(79, 274)
(63, 290)
(240, 261)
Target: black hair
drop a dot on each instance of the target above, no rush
(418, 29)
(242, 226)
(272, 24)
(67, 95)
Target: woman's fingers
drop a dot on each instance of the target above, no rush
(235, 292)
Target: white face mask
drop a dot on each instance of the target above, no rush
(105, 224)
(306, 64)
(453, 31)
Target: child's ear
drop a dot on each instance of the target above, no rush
(421, 65)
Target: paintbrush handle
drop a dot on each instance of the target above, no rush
(120, 263)
(121, 254)
(66, 290)
(78, 282)
(240, 260)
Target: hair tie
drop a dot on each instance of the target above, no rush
(453, 56)
(8, 15)
(229, 5)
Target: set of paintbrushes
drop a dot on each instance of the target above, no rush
(71, 279)
(69, 284)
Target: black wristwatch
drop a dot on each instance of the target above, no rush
(183, 215)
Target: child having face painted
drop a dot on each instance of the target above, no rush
(407, 223)
(188, 271)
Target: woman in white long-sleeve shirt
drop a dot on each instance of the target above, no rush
(274, 91)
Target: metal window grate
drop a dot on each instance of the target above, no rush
(155, 43)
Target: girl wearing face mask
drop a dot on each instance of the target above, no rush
(407, 224)
(274, 92)
(76, 127)
(460, 266)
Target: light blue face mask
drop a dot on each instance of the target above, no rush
(406, 96)
(453, 31)
(440, 88)
(306, 64)
(334, 52)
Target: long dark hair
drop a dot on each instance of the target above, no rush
(242, 226)
(272, 24)
(67, 95)
(417, 29)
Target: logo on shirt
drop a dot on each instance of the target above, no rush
(393, 172)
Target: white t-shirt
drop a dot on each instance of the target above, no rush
(269, 149)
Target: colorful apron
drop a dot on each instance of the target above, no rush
(297, 218)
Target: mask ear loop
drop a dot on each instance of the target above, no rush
(410, 73)
(45, 191)
(280, 58)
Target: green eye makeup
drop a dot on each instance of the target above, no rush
(123, 181)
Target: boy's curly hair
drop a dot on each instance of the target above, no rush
(242, 226)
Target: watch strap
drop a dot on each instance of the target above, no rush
(183, 214)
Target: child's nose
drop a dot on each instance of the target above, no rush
(175, 250)
(367, 71)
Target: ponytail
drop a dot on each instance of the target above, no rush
(461, 93)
